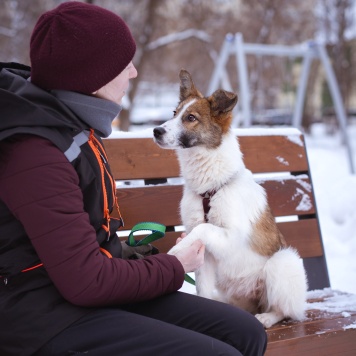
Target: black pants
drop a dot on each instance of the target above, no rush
(176, 324)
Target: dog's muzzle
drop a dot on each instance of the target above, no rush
(158, 132)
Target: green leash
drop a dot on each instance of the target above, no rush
(189, 279)
(158, 231)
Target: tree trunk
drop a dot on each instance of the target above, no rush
(139, 60)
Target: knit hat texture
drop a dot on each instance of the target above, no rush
(79, 47)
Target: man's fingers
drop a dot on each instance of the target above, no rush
(199, 246)
(201, 250)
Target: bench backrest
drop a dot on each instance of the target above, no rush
(149, 190)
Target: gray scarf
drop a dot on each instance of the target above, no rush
(96, 112)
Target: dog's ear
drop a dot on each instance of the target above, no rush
(222, 101)
(187, 87)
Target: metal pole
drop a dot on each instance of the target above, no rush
(337, 100)
(242, 70)
(219, 71)
(302, 88)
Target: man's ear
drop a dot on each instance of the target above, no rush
(187, 87)
(222, 101)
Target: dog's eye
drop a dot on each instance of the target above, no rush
(191, 118)
(174, 113)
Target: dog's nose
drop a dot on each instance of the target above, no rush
(158, 131)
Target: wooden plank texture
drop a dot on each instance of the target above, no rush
(308, 243)
(304, 235)
(137, 158)
(161, 202)
(274, 153)
(322, 333)
(150, 203)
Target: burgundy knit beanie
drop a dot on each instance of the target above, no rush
(79, 47)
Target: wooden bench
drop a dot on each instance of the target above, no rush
(149, 189)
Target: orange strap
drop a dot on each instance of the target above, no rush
(112, 180)
(101, 157)
(33, 267)
(106, 252)
(29, 269)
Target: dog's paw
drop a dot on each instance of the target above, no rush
(269, 319)
(174, 250)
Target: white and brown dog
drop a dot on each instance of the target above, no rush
(247, 262)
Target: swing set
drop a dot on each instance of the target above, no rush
(234, 45)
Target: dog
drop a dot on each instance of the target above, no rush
(247, 261)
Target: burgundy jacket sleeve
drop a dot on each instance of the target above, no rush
(41, 189)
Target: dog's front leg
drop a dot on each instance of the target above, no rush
(213, 237)
(206, 280)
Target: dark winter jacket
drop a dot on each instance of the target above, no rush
(51, 213)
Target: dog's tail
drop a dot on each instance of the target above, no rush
(286, 283)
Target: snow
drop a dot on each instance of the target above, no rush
(335, 194)
(144, 133)
(292, 133)
(351, 326)
(334, 301)
(282, 160)
(305, 203)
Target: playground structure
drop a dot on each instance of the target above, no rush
(309, 51)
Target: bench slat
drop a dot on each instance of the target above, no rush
(274, 153)
(161, 202)
(141, 158)
(290, 196)
(150, 203)
(323, 334)
(302, 235)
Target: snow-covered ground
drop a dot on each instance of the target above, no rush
(335, 193)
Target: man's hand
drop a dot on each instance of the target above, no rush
(192, 256)
(182, 236)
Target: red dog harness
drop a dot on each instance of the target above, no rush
(206, 202)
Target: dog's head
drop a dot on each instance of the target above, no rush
(197, 120)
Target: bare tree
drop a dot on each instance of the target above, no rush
(149, 20)
(16, 18)
(337, 17)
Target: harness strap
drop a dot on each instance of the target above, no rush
(206, 206)
(206, 202)
(102, 158)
